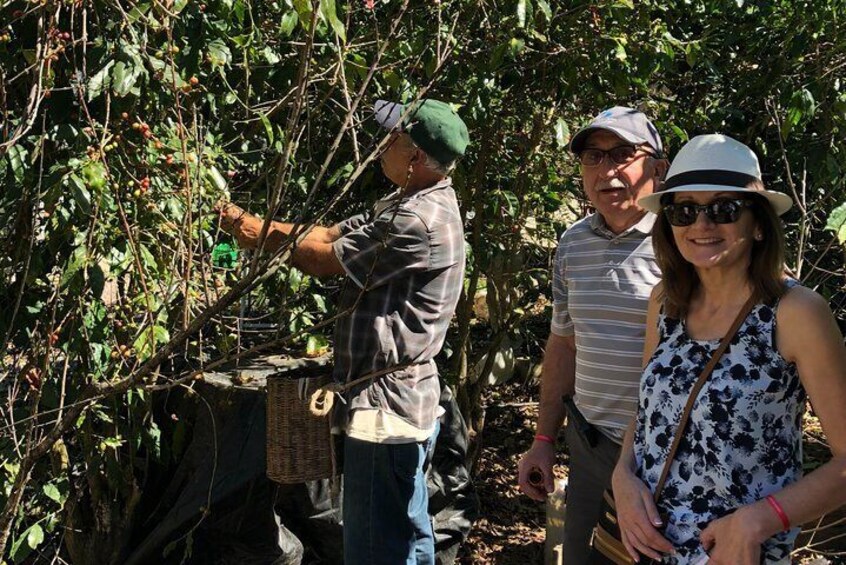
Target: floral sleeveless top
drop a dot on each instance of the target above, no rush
(744, 437)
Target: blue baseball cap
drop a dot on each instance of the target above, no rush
(626, 123)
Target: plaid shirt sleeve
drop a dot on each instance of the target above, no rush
(562, 324)
(391, 246)
(353, 223)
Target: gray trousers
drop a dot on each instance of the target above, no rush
(589, 475)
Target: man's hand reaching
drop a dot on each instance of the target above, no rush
(236, 221)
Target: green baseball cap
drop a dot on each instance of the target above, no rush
(433, 125)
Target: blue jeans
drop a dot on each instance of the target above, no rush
(386, 503)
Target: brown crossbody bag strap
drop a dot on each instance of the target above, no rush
(697, 386)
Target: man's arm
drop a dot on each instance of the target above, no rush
(313, 255)
(558, 378)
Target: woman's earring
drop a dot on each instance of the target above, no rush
(759, 237)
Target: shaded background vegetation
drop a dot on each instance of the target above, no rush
(122, 123)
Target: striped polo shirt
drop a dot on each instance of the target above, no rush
(601, 287)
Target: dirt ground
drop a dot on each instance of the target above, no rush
(511, 528)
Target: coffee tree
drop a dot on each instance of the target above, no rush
(123, 123)
(123, 126)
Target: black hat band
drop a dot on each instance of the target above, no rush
(712, 176)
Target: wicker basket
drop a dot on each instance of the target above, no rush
(299, 444)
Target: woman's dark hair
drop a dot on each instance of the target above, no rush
(766, 268)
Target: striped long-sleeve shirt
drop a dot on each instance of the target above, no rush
(601, 287)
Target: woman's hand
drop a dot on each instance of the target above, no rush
(638, 516)
(735, 539)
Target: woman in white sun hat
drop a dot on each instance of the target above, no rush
(734, 491)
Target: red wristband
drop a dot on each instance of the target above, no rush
(542, 437)
(782, 515)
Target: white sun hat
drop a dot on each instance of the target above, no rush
(715, 162)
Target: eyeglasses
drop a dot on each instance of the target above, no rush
(620, 155)
(720, 211)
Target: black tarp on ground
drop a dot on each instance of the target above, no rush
(244, 525)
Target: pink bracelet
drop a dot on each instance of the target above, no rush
(782, 515)
(542, 437)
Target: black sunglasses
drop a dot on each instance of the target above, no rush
(719, 211)
(620, 155)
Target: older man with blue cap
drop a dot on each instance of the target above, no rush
(404, 265)
(603, 274)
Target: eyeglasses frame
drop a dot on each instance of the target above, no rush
(606, 154)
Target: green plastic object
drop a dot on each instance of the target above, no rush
(224, 256)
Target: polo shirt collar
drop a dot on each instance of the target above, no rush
(644, 226)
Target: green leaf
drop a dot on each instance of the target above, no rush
(512, 203)
(138, 12)
(342, 173)
(288, 24)
(316, 345)
(303, 8)
(498, 55)
(99, 81)
(124, 76)
(802, 108)
(111, 443)
(147, 258)
(270, 55)
(691, 54)
(17, 159)
(268, 128)
(620, 52)
(102, 415)
(19, 549)
(35, 308)
(543, 6)
(30, 539)
(624, 4)
(95, 175)
(80, 193)
(328, 11)
(219, 53)
(147, 340)
(97, 280)
(215, 178)
(76, 262)
(680, 133)
(807, 102)
(516, 46)
(95, 315)
(35, 536)
(178, 6)
(240, 11)
(522, 8)
(837, 222)
(153, 440)
(51, 491)
(562, 133)
(295, 280)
